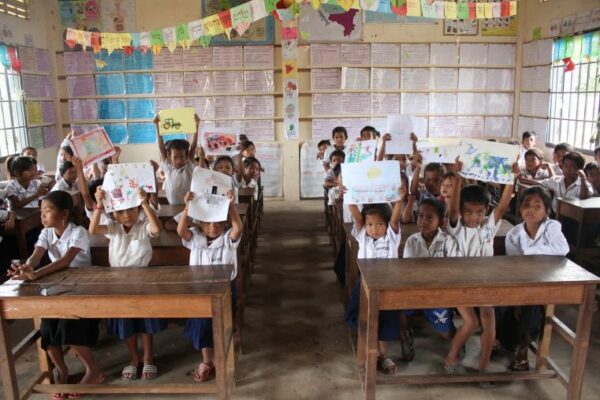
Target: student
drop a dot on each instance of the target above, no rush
(339, 136)
(248, 149)
(534, 166)
(322, 147)
(7, 221)
(67, 245)
(432, 182)
(572, 184)
(86, 188)
(474, 231)
(447, 187)
(32, 152)
(377, 231)
(130, 246)
(559, 152)
(209, 244)
(527, 143)
(249, 175)
(431, 241)
(24, 190)
(64, 154)
(68, 178)
(177, 164)
(592, 174)
(336, 159)
(369, 133)
(536, 235)
(597, 154)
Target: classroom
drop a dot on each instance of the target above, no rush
(300, 199)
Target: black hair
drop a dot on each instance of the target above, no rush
(435, 167)
(65, 167)
(474, 194)
(382, 210)
(322, 142)
(178, 144)
(68, 149)
(243, 138)
(19, 164)
(223, 158)
(563, 146)
(371, 129)
(246, 144)
(29, 148)
(597, 150)
(512, 141)
(538, 191)
(251, 160)
(61, 200)
(93, 186)
(492, 140)
(592, 165)
(338, 153)
(337, 170)
(440, 208)
(527, 135)
(576, 158)
(339, 129)
(448, 175)
(7, 164)
(537, 153)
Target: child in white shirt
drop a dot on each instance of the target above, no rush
(177, 164)
(534, 167)
(130, 246)
(210, 245)
(339, 136)
(536, 235)
(557, 155)
(527, 143)
(68, 178)
(32, 152)
(24, 190)
(592, 174)
(248, 174)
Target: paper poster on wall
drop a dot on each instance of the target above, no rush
(219, 142)
(211, 201)
(261, 32)
(271, 159)
(360, 151)
(177, 120)
(329, 23)
(399, 127)
(92, 146)
(118, 15)
(312, 174)
(371, 182)
(488, 161)
(122, 183)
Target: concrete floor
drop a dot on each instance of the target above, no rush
(295, 342)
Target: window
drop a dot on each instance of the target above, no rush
(13, 130)
(575, 93)
(16, 8)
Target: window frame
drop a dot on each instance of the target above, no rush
(16, 118)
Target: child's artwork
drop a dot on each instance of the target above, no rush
(92, 146)
(440, 150)
(211, 200)
(371, 182)
(357, 152)
(488, 161)
(177, 120)
(122, 183)
(219, 142)
(399, 127)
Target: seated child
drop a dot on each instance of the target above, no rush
(527, 143)
(536, 235)
(7, 222)
(64, 154)
(447, 187)
(249, 175)
(336, 159)
(368, 133)
(24, 190)
(177, 164)
(592, 174)
(32, 152)
(322, 146)
(597, 154)
(210, 244)
(130, 246)
(248, 149)
(339, 136)
(377, 231)
(559, 152)
(535, 167)
(68, 178)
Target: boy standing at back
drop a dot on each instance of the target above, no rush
(177, 163)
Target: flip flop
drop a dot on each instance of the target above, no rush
(204, 372)
(149, 372)
(56, 396)
(129, 373)
(78, 395)
(387, 366)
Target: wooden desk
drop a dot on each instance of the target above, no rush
(167, 249)
(418, 283)
(157, 292)
(586, 213)
(27, 219)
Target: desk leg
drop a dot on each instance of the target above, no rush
(7, 369)
(584, 326)
(222, 339)
(544, 347)
(371, 351)
(361, 354)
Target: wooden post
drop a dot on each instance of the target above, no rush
(220, 345)
(544, 347)
(372, 334)
(7, 364)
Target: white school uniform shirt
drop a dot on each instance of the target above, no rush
(557, 185)
(73, 236)
(14, 188)
(177, 181)
(443, 245)
(557, 170)
(522, 151)
(59, 160)
(61, 184)
(328, 152)
(384, 247)
(539, 175)
(549, 240)
(221, 250)
(129, 249)
(41, 167)
(475, 242)
(249, 185)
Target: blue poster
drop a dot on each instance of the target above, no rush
(110, 84)
(111, 109)
(139, 83)
(108, 63)
(140, 109)
(141, 133)
(138, 60)
(117, 133)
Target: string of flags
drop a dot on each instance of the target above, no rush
(240, 17)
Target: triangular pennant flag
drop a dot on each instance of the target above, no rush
(100, 63)
(472, 11)
(496, 10)
(316, 4)
(128, 50)
(110, 41)
(241, 18)
(345, 4)
(427, 9)
(462, 10)
(225, 17)
(450, 10)
(123, 39)
(135, 39)
(270, 6)
(181, 33)
(488, 10)
(258, 10)
(169, 38)
(196, 29)
(212, 25)
(71, 37)
(413, 8)
(96, 42)
(15, 63)
(505, 9)
(204, 41)
(513, 8)
(144, 41)
(156, 41)
(480, 10)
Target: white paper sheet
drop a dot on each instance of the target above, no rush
(414, 103)
(259, 81)
(420, 126)
(312, 174)
(205, 106)
(400, 127)
(500, 79)
(544, 51)
(439, 150)
(197, 57)
(488, 161)
(540, 126)
(356, 78)
(122, 183)
(271, 159)
(473, 54)
(384, 103)
(469, 126)
(444, 79)
(498, 127)
(541, 79)
(385, 54)
(472, 79)
(219, 141)
(471, 103)
(198, 82)
(228, 81)
(325, 54)
(414, 78)
(530, 56)
(360, 151)
(414, 54)
(371, 182)
(444, 54)
(356, 53)
(326, 78)
(227, 56)
(168, 83)
(229, 106)
(322, 128)
(540, 104)
(385, 78)
(167, 60)
(355, 103)
(259, 106)
(442, 127)
(525, 124)
(442, 103)
(499, 103)
(501, 54)
(211, 201)
(259, 130)
(526, 100)
(326, 104)
(258, 57)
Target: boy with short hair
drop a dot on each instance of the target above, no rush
(339, 136)
(527, 142)
(559, 152)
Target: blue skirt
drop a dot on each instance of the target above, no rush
(199, 330)
(125, 327)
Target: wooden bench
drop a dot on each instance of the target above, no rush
(96, 292)
(420, 283)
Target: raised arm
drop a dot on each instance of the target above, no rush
(82, 184)
(194, 144)
(236, 222)
(546, 165)
(506, 196)
(396, 214)
(182, 226)
(407, 209)
(584, 191)
(115, 157)
(153, 222)
(202, 158)
(161, 144)
(239, 167)
(357, 216)
(95, 228)
(454, 206)
(414, 183)
(381, 146)
(414, 139)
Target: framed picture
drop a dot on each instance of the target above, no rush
(454, 27)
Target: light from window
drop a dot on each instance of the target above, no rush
(16, 8)
(575, 94)
(13, 130)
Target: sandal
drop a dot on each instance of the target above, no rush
(149, 372)
(454, 369)
(487, 384)
(387, 366)
(408, 348)
(78, 395)
(56, 396)
(129, 373)
(519, 365)
(204, 372)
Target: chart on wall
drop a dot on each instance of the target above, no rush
(330, 23)
(259, 33)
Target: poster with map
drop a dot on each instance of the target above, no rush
(259, 33)
(488, 161)
(329, 23)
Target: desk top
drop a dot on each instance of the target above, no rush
(164, 239)
(472, 272)
(593, 202)
(242, 209)
(94, 281)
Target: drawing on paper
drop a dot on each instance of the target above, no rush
(357, 152)
(217, 143)
(92, 146)
(488, 162)
(371, 182)
(122, 183)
